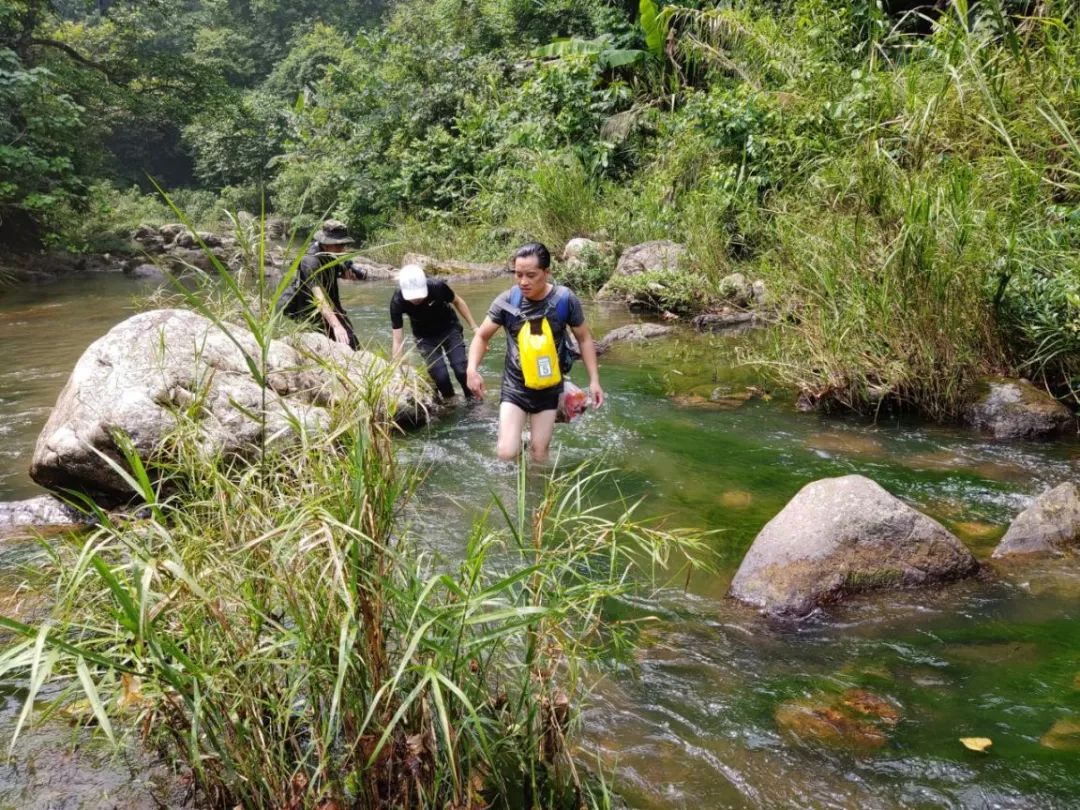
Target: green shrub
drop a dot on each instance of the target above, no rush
(588, 273)
(678, 291)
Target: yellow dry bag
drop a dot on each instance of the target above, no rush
(539, 355)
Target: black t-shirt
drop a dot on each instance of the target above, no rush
(429, 318)
(312, 271)
(512, 319)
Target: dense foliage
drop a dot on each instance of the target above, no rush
(868, 159)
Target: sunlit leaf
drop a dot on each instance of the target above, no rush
(976, 743)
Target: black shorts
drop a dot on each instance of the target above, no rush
(531, 400)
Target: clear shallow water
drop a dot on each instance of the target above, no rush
(692, 721)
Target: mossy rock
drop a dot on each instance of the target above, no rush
(1016, 409)
(856, 720)
(1064, 735)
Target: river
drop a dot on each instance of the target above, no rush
(692, 721)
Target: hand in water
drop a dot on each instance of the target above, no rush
(476, 384)
(597, 395)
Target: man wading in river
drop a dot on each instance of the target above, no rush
(312, 296)
(435, 326)
(535, 315)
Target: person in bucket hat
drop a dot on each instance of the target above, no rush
(430, 305)
(312, 296)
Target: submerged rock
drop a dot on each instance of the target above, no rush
(842, 536)
(1016, 409)
(632, 333)
(1051, 525)
(152, 367)
(42, 513)
(1064, 735)
(856, 720)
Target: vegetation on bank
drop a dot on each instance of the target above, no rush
(907, 185)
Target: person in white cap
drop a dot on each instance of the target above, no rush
(430, 305)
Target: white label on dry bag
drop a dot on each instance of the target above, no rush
(543, 366)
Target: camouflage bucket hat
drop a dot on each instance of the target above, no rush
(333, 232)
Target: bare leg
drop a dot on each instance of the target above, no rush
(511, 423)
(541, 426)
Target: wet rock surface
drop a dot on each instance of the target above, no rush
(42, 513)
(454, 269)
(1064, 735)
(727, 320)
(147, 369)
(632, 333)
(1016, 409)
(1051, 525)
(856, 720)
(843, 536)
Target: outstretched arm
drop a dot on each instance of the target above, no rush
(588, 356)
(477, 349)
(398, 336)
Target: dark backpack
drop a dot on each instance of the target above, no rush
(569, 352)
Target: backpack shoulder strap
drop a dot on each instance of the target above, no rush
(562, 303)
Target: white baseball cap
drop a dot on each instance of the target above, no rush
(413, 282)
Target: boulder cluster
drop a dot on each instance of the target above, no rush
(839, 537)
(133, 386)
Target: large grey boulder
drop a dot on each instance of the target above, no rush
(579, 247)
(1051, 525)
(1016, 409)
(841, 536)
(42, 513)
(645, 258)
(649, 257)
(148, 369)
(632, 333)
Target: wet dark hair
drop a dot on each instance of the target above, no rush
(535, 249)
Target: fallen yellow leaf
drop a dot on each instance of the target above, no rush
(976, 743)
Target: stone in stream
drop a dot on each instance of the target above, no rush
(842, 536)
(856, 720)
(43, 513)
(147, 369)
(457, 270)
(1051, 525)
(632, 333)
(1016, 409)
(146, 270)
(1064, 735)
(727, 320)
